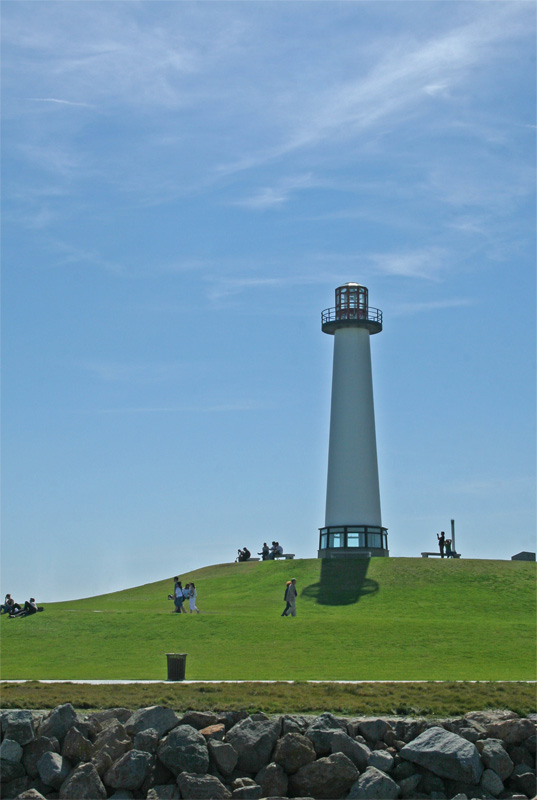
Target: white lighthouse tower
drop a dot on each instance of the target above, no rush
(353, 525)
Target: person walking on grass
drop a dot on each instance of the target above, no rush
(178, 597)
(192, 598)
(291, 599)
(285, 599)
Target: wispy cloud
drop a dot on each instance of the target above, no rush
(404, 309)
(57, 101)
(276, 196)
(70, 254)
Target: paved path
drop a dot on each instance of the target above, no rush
(352, 683)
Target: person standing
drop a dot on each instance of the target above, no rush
(179, 597)
(192, 598)
(291, 599)
(448, 548)
(286, 599)
(441, 542)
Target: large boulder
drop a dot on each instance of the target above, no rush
(322, 729)
(112, 741)
(374, 785)
(325, 779)
(53, 769)
(223, 755)
(184, 749)
(83, 783)
(293, 751)
(273, 781)
(10, 750)
(445, 754)
(30, 794)
(358, 753)
(130, 771)
(371, 729)
(202, 787)
(34, 750)
(199, 719)
(491, 782)
(20, 727)
(161, 719)
(58, 722)
(495, 756)
(254, 741)
(381, 759)
(10, 771)
(76, 747)
(147, 741)
(511, 731)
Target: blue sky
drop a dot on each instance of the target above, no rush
(184, 186)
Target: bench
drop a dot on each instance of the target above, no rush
(453, 555)
(284, 555)
(252, 559)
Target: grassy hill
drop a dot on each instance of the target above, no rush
(389, 619)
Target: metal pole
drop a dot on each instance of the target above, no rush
(453, 536)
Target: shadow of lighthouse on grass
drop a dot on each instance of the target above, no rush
(343, 581)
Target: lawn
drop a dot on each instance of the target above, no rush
(389, 619)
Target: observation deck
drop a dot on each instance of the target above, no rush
(338, 317)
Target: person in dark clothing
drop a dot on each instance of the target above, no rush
(441, 542)
(245, 555)
(264, 552)
(29, 608)
(10, 606)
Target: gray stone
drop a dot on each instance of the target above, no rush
(83, 783)
(158, 775)
(241, 782)
(358, 753)
(408, 786)
(216, 732)
(10, 771)
(161, 719)
(199, 719)
(120, 714)
(324, 779)
(523, 779)
(147, 741)
(202, 787)
(445, 754)
(31, 794)
(381, 759)
(495, 757)
(34, 750)
(372, 729)
(407, 729)
(521, 755)
(53, 769)
(373, 785)
(491, 782)
(293, 751)
(184, 749)
(20, 727)
(113, 741)
(165, 792)
(223, 755)
(121, 794)
(404, 770)
(14, 788)
(10, 750)
(273, 780)
(511, 731)
(58, 722)
(254, 741)
(76, 747)
(431, 783)
(321, 730)
(292, 723)
(102, 761)
(531, 743)
(130, 771)
(247, 793)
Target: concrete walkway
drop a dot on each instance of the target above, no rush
(347, 683)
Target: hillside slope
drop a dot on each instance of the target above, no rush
(389, 619)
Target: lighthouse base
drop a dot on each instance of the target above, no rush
(353, 541)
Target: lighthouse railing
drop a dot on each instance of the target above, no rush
(337, 314)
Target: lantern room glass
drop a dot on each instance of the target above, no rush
(351, 298)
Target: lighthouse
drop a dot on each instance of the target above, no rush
(353, 525)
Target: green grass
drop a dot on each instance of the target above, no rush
(391, 619)
(371, 699)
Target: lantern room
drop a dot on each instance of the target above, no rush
(351, 297)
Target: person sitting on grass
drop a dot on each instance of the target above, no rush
(29, 608)
(244, 554)
(10, 606)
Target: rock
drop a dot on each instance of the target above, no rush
(381, 759)
(521, 755)
(358, 753)
(58, 722)
(20, 727)
(372, 729)
(165, 792)
(273, 780)
(491, 782)
(53, 769)
(531, 743)
(119, 714)
(324, 779)
(511, 731)
(407, 729)
(102, 761)
(247, 793)
(408, 786)
(198, 719)
(113, 741)
(445, 754)
(14, 788)
(524, 780)
(223, 755)
(161, 719)
(83, 783)
(321, 730)
(495, 757)
(294, 751)
(404, 769)
(184, 749)
(230, 718)
(30, 794)
(147, 741)
(374, 785)
(254, 741)
(121, 794)
(34, 750)
(241, 782)
(202, 787)
(10, 771)
(158, 775)
(216, 732)
(76, 747)
(291, 723)
(130, 771)
(10, 750)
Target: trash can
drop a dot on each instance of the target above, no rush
(176, 666)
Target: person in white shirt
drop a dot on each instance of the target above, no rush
(192, 599)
